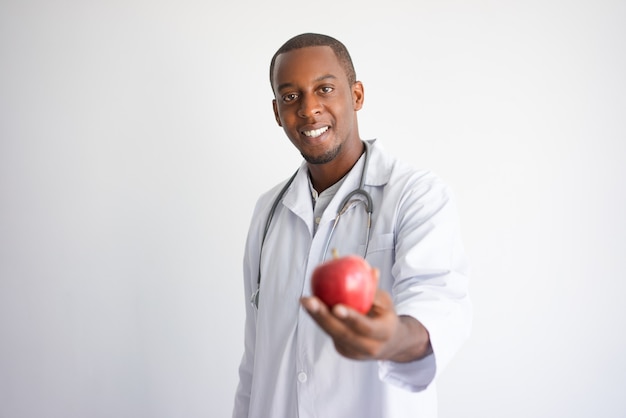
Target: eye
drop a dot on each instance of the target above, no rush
(326, 89)
(289, 97)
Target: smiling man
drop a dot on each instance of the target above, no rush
(302, 359)
(316, 104)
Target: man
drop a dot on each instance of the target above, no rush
(301, 358)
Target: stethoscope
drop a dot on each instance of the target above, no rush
(344, 206)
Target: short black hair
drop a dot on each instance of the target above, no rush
(315, 39)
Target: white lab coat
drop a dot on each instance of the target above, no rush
(289, 367)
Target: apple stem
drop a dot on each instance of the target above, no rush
(335, 253)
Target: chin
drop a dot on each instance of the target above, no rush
(323, 158)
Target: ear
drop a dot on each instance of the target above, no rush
(275, 106)
(358, 95)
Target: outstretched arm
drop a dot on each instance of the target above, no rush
(379, 335)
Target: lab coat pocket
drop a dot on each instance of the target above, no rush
(380, 255)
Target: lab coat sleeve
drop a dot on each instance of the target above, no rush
(250, 270)
(430, 280)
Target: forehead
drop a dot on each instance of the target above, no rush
(307, 64)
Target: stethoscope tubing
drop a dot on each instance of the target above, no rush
(345, 204)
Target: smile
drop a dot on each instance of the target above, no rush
(315, 132)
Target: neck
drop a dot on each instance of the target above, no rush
(325, 175)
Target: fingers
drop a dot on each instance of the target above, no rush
(330, 321)
(337, 320)
(355, 335)
(341, 317)
(337, 324)
(376, 275)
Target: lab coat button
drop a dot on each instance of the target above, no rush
(302, 377)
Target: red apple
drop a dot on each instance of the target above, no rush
(347, 280)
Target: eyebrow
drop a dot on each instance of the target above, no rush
(317, 80)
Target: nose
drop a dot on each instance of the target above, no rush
(309, 106)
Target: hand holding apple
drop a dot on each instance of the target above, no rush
(348, 280)
(371, 330)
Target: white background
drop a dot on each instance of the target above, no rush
(135, 137)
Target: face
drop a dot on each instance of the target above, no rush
(315, 104)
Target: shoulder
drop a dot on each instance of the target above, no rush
(394, 173)
(267, 199)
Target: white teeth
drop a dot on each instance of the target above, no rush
(316, 132)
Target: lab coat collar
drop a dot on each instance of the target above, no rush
(379, 169)
(298, 197)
